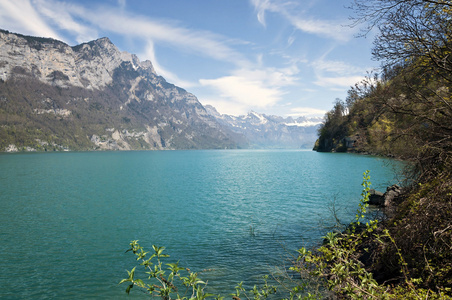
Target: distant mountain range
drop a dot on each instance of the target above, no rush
(262, 131)
(95, 97)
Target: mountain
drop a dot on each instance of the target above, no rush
(264, 131)
(95, 97)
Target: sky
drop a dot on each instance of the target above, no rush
(278, 57)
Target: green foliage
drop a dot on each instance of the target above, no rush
(422, 234)
(363, 204)
(170, 281)
(162, 280)
(333, 130)
(257, 292)
(339, 262)
(406, 112)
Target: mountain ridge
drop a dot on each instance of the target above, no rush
(89, 65)
(92, 96)
(270, 131)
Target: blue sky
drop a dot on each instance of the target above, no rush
(282, 57)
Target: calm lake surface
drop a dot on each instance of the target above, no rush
(66, 219)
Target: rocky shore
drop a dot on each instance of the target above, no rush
(387, 200)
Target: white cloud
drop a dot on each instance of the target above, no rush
(62, 15)
(149, 54)
(306, 111)
(301, 20)
(290, 40)
(243, 91)
(84, 23)
(335, 82)
(272, 77)
(21, 16)
(338, 67)
(336, 74)
(320, 27)
(251, 89)
(261, 6)
(199, 42)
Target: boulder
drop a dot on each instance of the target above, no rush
(386, 199)
(392, 192)
(376, 198)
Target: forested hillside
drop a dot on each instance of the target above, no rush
(405, 111)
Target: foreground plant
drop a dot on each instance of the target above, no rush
(338, 261)
(175, 282)
(164, 282)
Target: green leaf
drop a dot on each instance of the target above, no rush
(140, 283)
(131, 274)
(129, 288)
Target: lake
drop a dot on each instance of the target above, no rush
(66, 219)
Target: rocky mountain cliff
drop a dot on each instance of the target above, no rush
(264, 131)
(93, 96)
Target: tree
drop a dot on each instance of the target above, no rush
(332, 131)
(409, 30)
(414, 43)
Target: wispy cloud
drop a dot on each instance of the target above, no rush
(272, 77)
(22, 17)
(243, 91)
(252, 88)
(335, 66)
(261, 6)
(306, 111)
(62, 15)
(338, 83)
(323, 28)
(149, 54)
(336, 74)
(37, 17)
(122, 4)
(301, 20)
(119, 21)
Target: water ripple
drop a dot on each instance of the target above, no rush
(67, 218)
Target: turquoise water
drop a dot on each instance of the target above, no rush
(66, 219)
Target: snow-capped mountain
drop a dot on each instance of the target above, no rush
(264, 131)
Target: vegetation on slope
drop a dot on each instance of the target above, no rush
(406, 112)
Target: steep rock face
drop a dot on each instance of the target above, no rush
(93, 96)
(264, 131)
(88, 65)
